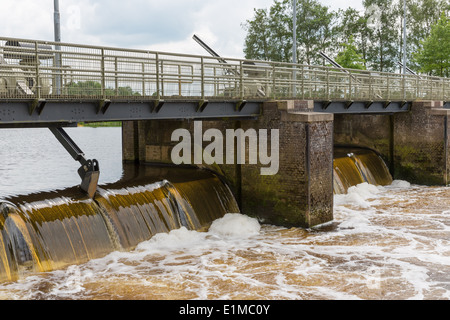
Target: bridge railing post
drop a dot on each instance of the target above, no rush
(158, 85)
(116, 76)
(404, 86)
(303, 82)
(102, 73)
(241, 80)
(328, 84)
(274, 81)
(202, 77)
(143, 79)
(417, 86)
(431, 87)
(350, 96)
(388, 89)
(38, 82)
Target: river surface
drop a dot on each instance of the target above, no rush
(388, 242)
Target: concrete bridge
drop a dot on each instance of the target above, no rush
(404, 117)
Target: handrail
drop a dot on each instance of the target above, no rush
(95, 72)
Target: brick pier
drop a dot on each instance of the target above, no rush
(300, 194)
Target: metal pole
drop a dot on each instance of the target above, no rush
(57, 24)
(404, 36)
(294, 45)
(294, 32)
(404, 49)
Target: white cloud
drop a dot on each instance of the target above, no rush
(142, 24)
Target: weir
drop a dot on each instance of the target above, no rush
(48, 231)
(51, 230)
(353, 165)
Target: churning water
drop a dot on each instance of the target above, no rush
(386, 242)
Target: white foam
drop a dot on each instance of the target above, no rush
(175, 239)
(352, 219)
(235, 225)
(401, 184)
(358, 195)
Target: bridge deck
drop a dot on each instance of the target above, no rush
(48, 82)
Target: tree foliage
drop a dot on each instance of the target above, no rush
(349, 56)
(377, 32)
(93, 88)
(434, 55)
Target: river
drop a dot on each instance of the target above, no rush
(389, 242)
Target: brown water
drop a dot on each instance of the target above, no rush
(386, 242)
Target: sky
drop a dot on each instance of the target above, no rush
(155, 25)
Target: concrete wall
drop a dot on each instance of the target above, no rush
(300, 194)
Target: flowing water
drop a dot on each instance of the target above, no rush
(390, 241)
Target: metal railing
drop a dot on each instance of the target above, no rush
(32, 69)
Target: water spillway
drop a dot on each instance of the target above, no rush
(354, 165)
(51, 230)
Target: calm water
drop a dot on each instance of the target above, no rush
(32, 160)
(385, 243)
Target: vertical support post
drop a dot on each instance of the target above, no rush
(350, 96)
(417, 86)
(202, 77)
(58, 60)
(404, 86)
(388, 88)
(179, 80)
(116, 76)
(303, 82)
(274, 81)
(103, 74)
(38, 82)
(443, 91)
(216, 85)
(143, 79)
(158, 87)
(162, 77)
(431, 88)
(404, 37)
(241, 81)
(294, 46)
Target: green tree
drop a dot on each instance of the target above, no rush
(349, 56)
(434, 55)
(257, 42)
(353, 24)
(383, 23)
(269, 33)
(315, 31)
(421, 16)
